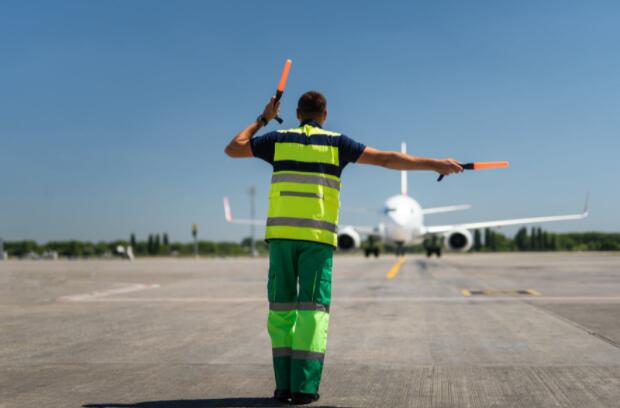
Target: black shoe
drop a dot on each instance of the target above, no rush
(301, 398)
(282, 395)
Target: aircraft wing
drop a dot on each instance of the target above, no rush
(229, 217)
(449, 208)
(438, 229)
(367, 230)
(360, 229)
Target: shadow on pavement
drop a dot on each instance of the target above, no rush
(201, 403)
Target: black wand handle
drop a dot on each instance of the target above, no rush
(466, 166)
(278, 96)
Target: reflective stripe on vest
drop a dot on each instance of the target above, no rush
(305, 186)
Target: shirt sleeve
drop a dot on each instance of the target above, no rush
(349, 150)
(263, 146)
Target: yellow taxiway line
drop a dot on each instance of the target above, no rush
(392, 273)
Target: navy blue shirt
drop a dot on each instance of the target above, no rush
(348, 149)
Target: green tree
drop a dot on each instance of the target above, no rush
(487, 239)
(141, 248)
(477, 240)
(544, 240)
(101, 248)
(20, 248)
(540, 239)
(156, 245)
(207, 248)
(165, 246)
(88, 249)
(492, 243)
(132, 241)
(229, 248)
(553, 242)
(609, 245)
(521, 240)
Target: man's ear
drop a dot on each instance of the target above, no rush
(324, 115)
(298, 115)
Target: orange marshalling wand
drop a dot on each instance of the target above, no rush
(481, 165)
(489, 165)
(284, 76)
(282, 84)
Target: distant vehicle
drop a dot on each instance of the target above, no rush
(402, 223)
(125, 252)
(32, 256)
(53, 255)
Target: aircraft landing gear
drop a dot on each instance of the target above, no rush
(433, 246)
(371, 251)
(371, 248)
(431, 251)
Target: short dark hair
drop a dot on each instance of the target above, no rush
(311, 104)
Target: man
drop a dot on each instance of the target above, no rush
(301, 230)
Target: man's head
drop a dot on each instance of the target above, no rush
(312, 105)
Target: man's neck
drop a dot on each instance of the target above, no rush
(313, 122)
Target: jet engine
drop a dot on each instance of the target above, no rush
(459, 240)
(348, 238)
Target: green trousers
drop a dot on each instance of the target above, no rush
(298, 319)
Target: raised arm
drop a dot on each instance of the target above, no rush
(402, 161)
(239, 146)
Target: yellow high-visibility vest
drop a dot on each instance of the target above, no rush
(305, 186)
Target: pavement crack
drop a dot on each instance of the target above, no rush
(576, 325)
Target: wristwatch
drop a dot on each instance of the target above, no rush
(262, 119)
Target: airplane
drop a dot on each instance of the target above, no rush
(402, 223)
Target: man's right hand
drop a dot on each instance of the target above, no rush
(448, 166)
(271, 109)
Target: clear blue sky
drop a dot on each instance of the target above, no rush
(114, 114)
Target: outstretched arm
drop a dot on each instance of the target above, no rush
(239, 146)
(402, 161)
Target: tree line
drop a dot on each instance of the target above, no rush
(488, 240)
(537, 239)
(154, 245)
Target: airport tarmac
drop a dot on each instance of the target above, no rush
(483, 330)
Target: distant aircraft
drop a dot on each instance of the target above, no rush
(402, 223)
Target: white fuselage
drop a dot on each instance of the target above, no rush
(402, 220)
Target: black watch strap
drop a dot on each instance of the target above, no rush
(262, 120)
